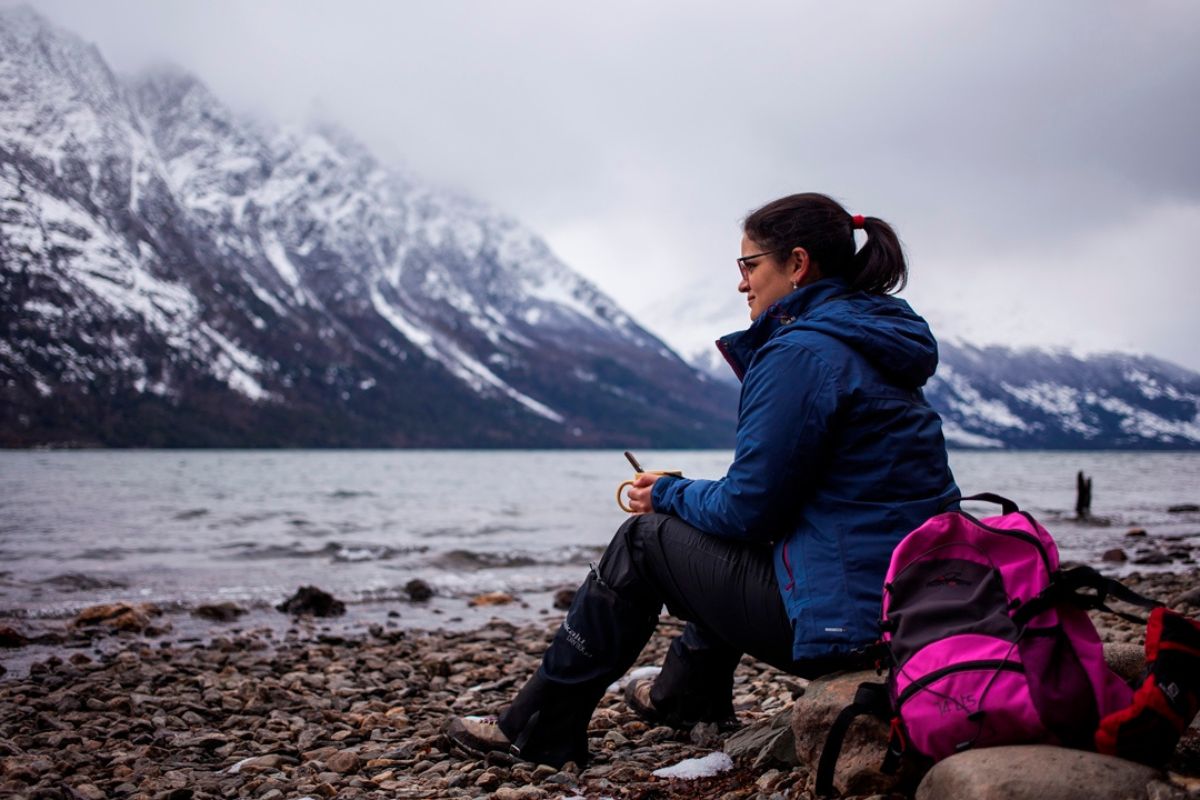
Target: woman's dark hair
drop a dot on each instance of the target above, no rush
(821, 226)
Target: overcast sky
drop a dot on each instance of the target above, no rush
(1039, 160)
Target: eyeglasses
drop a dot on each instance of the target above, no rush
(746, 268)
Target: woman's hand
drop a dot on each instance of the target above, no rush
(639, 493)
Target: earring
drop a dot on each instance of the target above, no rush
(795, 285)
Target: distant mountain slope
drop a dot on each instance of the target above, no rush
(998, 397)
(173, 275)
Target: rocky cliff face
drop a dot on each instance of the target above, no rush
(174, 275)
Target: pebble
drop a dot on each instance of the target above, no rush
(219, 612)
(563, 599)
(343, 762)
(418, 591)
(322, 714)
(312, 601)
(491, 599)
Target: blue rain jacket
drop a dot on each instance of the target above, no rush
(838, 455)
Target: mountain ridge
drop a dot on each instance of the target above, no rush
(173, 274)
(218, 281)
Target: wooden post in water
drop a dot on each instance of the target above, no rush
(1083, 496)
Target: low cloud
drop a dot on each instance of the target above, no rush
(1037, 159)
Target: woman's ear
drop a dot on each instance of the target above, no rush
(801, 269)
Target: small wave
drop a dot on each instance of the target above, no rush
(78, 582)
(191, 513)
(347, 494)
(242, 520)
(353, 553)
(471, 533)
(119, 553)
(474, 560)
(335, 552)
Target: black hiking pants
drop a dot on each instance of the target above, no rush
(727, 593)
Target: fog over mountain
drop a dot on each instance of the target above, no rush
(172, 274)
(175, 275)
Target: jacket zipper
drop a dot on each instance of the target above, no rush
(965, 666)
(723, 349)
(787, 565)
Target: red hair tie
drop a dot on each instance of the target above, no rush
(857, 222)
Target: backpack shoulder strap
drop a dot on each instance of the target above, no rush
(871, 698)
(1069, 586)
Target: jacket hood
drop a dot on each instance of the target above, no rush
(884, 329)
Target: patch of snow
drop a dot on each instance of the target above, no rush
(1152, 389)
(42, 308)
(1143, 423)
(245, 360)
(693, 768)
(971, 403)
(421, 338)
(633, 675)
(1056, 399)
(276, 254)
(264, 295)
(454, 359)
(236, 768)
(958, 436)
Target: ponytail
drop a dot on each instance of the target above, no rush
(825, 229)
(879, 267)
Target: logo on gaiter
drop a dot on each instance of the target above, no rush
(574, 639)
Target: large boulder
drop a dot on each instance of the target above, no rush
(1040, 772)
(858, 769)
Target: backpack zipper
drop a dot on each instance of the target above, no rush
(965, 666)
(1025, 537)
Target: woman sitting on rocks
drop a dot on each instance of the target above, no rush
(838, 456)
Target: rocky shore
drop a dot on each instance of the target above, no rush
(292, 711)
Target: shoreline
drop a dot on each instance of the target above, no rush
(353, 707)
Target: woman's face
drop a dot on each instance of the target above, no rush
(765, 280)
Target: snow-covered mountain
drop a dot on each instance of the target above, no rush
(998, 397)
(171, 274)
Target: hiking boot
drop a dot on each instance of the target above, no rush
(637, 697)
(478, 736)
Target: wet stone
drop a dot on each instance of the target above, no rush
(418, 591)
(295, 711)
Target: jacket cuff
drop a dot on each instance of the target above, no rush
(663, 492)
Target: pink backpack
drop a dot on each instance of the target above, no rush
(987, 641)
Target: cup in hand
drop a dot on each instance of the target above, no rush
(621, 489)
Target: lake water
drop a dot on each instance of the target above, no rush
(186, 527)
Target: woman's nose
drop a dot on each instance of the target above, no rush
(744, 285)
